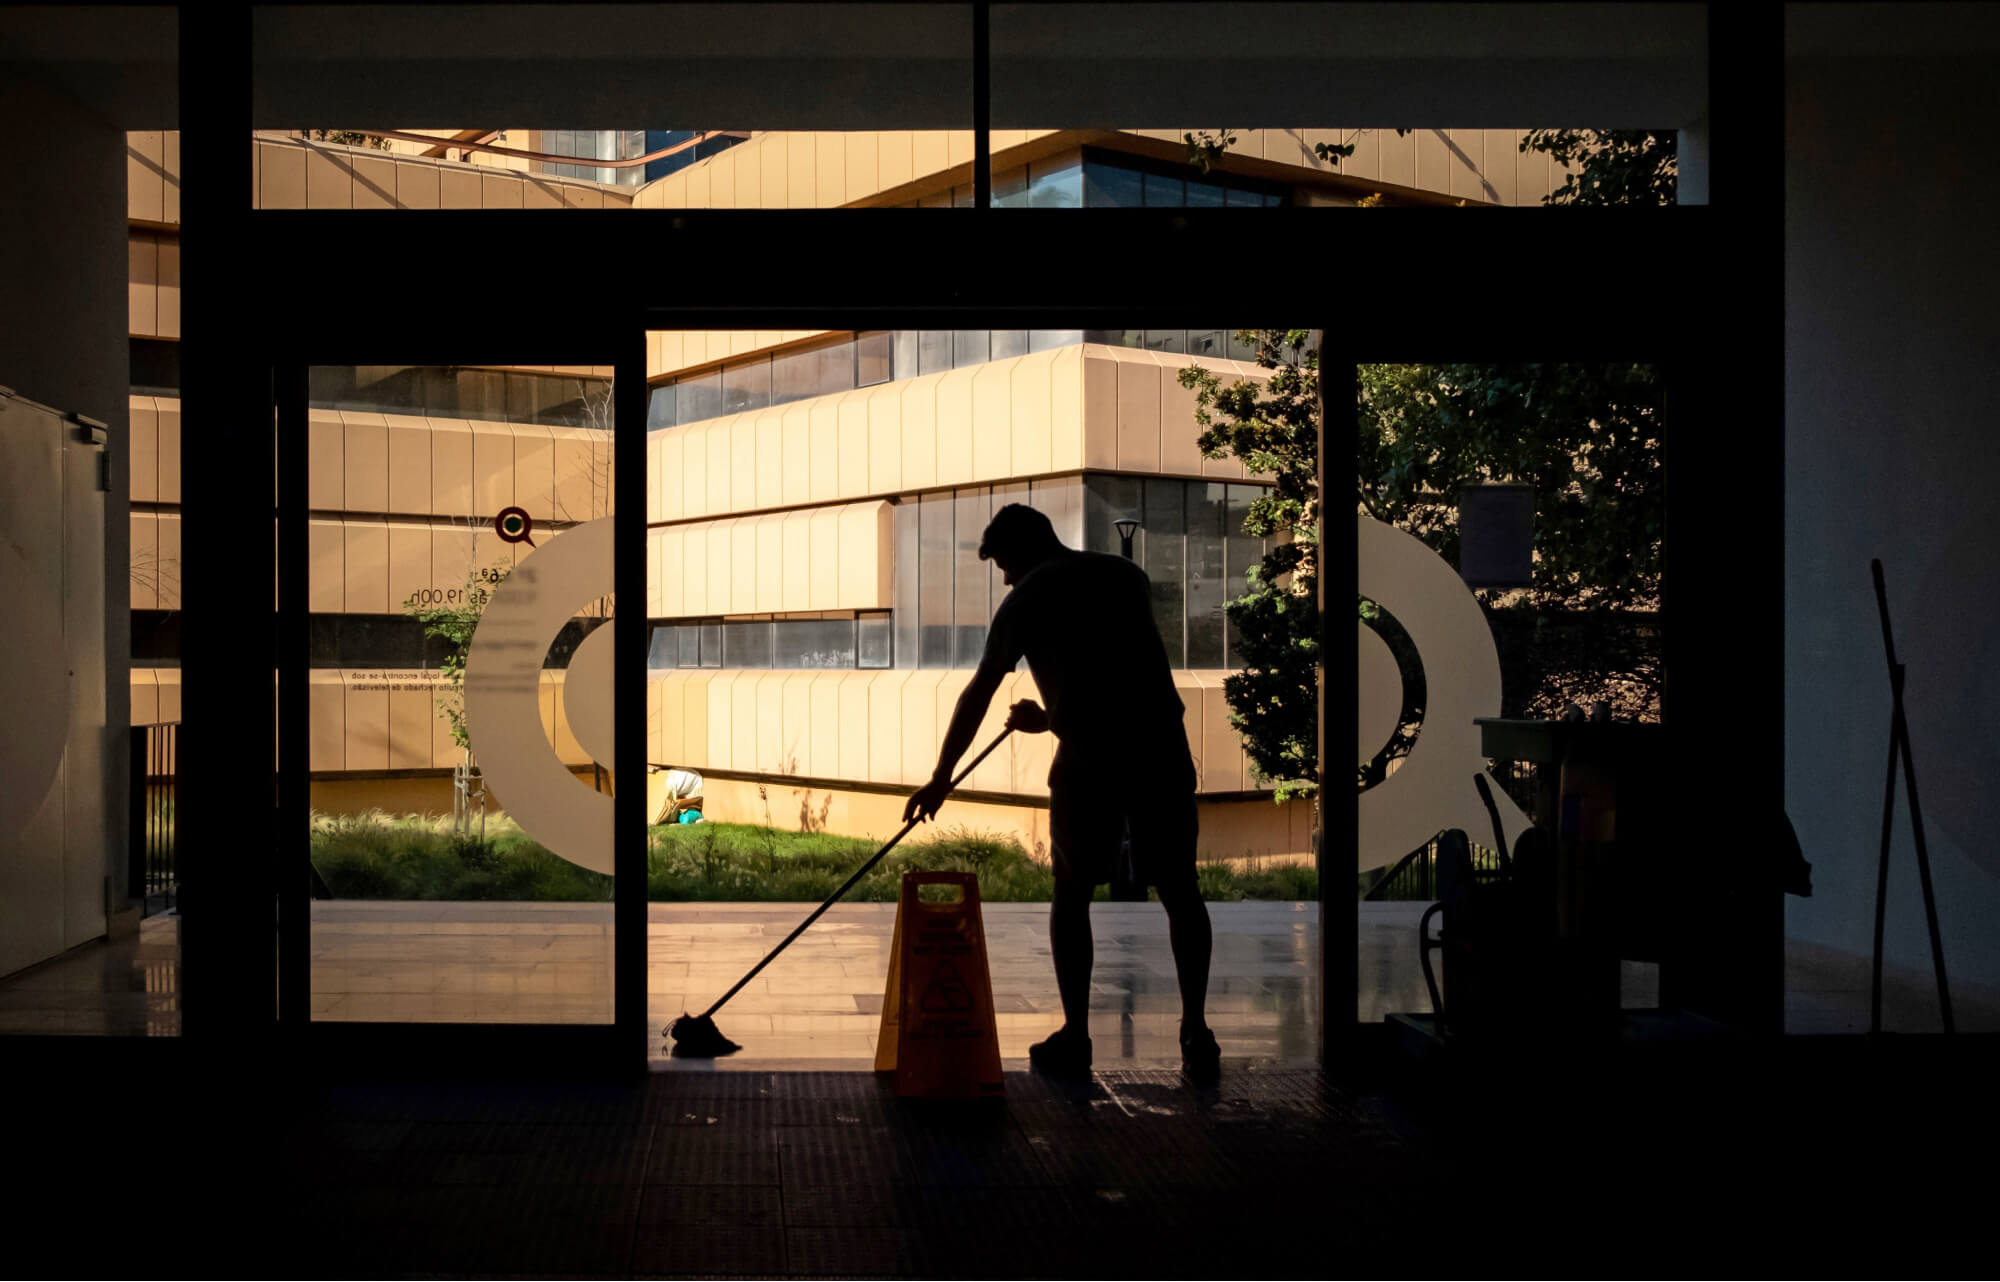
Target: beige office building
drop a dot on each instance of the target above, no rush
(815, 496)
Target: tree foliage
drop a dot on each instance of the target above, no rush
(1610, 166)
(1603, 166)
(1272, 424)
(1586, 436)
(454, 624)
(346, 137)
(1589, 438)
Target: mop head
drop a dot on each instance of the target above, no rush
(696, 1037)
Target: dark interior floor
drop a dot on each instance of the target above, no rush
(1833, 1158)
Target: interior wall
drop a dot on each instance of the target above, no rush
(1892, 334)
(63, 268)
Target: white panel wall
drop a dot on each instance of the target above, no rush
(53, 824)
(1891, 333)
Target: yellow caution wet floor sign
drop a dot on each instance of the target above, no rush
(937, 1033)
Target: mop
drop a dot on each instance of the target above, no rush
(696, 1036)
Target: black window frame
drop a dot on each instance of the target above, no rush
(1728, 573)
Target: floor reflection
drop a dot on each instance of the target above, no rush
(127, 987)
(820, 1003)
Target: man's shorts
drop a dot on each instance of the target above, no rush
(1093, 797)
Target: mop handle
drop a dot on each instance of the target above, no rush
(848, 885)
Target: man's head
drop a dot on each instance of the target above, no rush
(1017, 540)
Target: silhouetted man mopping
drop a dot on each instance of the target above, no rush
(1085, 623)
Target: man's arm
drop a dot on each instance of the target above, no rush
(965, 719)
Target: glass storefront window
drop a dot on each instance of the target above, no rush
(700, 397)
(1165, 562)
(836, 368)
(747, 645)
(972, 602)
(933, 351)
(813, 643)
(1010, 189)
(1061, 501)
(935, 560)
(794, 376)
(906, 583)
(482, 394)
(872, 360)
(1241, 552)
(1112, 187)
(1108, 499)
(1159, 189)
(971, 347)
(1206, 589)
(665, 647)
(660, 406)
(746, 386)
(391, 389)
(873, 640)
(1056, 184)
(1205, 195)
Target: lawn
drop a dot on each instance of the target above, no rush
(380, 856)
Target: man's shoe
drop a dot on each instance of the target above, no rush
(1201, 1058)
(1064, 1054)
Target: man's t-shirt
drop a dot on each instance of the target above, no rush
(1084, 621)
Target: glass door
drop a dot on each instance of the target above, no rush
(448, 611)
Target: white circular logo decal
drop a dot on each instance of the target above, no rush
(503, 678)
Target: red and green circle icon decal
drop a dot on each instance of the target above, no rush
(514, 525)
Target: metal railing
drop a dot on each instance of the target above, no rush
(155, 763)
(1414, 877)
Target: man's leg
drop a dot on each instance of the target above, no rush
(1193, 941)
(1171, 829)
(1070, 942)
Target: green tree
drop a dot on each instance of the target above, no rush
(1272, 424)
(453, 620)
(1604, 166)
(1589, 438)
(1610, 166)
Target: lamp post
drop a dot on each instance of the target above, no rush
(1126, 886)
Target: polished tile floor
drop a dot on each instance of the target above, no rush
(128, 987)
(819, 1004)
(821, 1001)
(1832, 1157)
